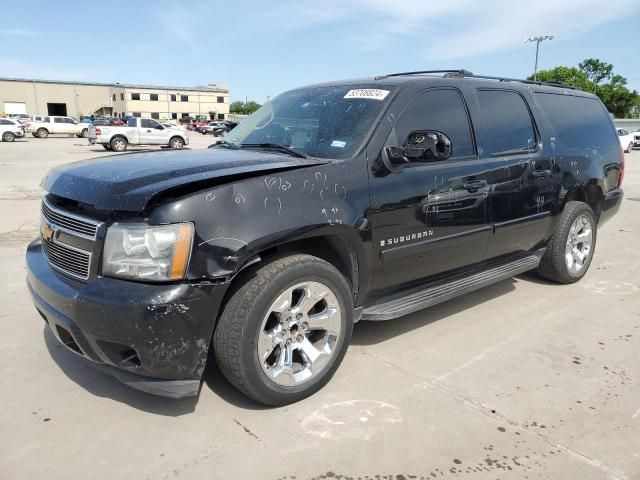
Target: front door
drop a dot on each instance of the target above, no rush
(152, 133)
(429, 217)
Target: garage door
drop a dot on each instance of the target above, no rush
(15, 108)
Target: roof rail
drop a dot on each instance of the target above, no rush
(467, 74)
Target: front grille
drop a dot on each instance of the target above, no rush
(67, 259)
(68, 222)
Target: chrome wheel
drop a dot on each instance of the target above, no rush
(176, 143)
(299, 334)
(579, 243)
(119, 145)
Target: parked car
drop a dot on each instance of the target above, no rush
(101, 122)
(139, 131)
(56, 125)
(171, 125)
(626, 139)
(331, 204)
(117, 122)
(228, 126)
(636, 138)
(210, 127)
(10, 129)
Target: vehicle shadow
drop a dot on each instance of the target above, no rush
(100, 384)
(373, 332)
(220, 386)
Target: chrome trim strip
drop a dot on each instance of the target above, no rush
(96, 224)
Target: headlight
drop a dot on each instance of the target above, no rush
(142, 252)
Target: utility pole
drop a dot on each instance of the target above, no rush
(537, 40)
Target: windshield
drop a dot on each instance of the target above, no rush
(326, 122)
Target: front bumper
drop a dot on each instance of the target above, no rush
(152, 337)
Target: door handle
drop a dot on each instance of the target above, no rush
(541, 173)
(474, 185)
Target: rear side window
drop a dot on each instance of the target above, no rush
(578, 122)
(442, 110)
(131, 122)
(507, 121)
(58, 120)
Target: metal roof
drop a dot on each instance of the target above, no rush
(123, 85)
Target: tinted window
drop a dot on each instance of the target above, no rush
(184, 98)
(442, 110)
(220, 99)
(153, 97)
(221, 116)
(5, 122)
(147, 123)
(173, 98)
(135, 96)
(131, 122)
(155, 115)
(122, 96)
(507, 123)
(174, 116)
(578, 122)
(114, 97)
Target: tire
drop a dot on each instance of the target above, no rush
(84, 133)
(42, 133)
(249, 321)
(118, 144)
(629, 148)
(565, 246)
(8, 137)
(176, 143)
(106, 146)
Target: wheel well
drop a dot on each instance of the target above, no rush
(589, 194)
(42, 128)
(176, 136)
(118, 136)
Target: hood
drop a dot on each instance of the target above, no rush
(127, 182)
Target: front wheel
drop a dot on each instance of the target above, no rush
(84, 133)
(570, 250)
(8, 137)
(284, 332)
(176, 143)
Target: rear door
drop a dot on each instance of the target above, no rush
(59, 125)
(522, 176)
(429, 217)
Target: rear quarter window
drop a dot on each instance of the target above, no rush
(578, 122)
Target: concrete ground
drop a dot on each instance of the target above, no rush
(523, 379)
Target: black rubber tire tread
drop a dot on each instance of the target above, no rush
(8, 137)
(231, 327)
(552, 266)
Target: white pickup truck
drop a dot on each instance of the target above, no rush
(139, 131)
(41, 127)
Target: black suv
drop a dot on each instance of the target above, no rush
(354, 200)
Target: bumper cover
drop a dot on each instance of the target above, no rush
(154, 338)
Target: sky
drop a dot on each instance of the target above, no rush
(261, 48)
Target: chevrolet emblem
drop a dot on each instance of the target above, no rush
(48, 233)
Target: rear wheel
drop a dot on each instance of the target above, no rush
(284, 332)
(84, 133)
(176, 142)
(629, 147)
(570, 250)
(42, 133)
(8, 137)
(118, 144)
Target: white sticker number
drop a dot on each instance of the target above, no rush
(370, 93)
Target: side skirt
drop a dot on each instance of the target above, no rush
(432, 294)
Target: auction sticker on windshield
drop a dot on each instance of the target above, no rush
(371, 93)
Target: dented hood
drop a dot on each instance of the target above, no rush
(127, 182)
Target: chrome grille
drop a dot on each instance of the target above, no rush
(68, 222)
(67, 259)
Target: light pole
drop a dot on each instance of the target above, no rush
(537, 40)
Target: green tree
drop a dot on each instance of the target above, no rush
(590, 76)
(571, 76)
(596, 71)
(242, 108)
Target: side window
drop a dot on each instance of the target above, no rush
(5, 122)
(184, 98)
(58, 120)
(46, 119)
(148, 123)
(507, 123)
(153, 97)
(135, 96)
(578, 122)
(173, 98)
(131, 122)
(442, 110)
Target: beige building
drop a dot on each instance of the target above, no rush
(47, 97)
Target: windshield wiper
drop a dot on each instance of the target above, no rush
(275, 146)
(225, 144)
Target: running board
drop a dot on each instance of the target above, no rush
(418, 299)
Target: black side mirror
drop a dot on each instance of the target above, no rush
(421, 146)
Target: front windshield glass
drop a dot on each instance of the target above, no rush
(326, 122)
